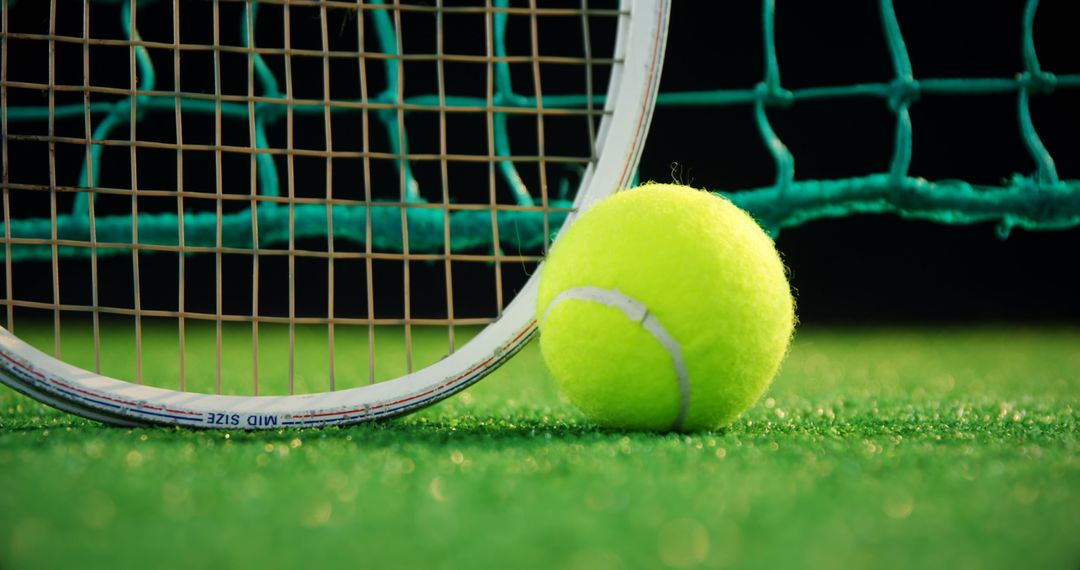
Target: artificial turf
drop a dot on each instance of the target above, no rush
(890, 448)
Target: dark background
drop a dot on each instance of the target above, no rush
(872, 269)
(879, 267)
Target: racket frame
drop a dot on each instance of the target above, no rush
(640, 40)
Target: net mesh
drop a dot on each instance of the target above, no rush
(1040, 200)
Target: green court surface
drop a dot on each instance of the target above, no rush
(876, 447)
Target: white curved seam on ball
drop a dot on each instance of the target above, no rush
(639, 313)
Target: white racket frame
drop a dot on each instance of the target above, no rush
(640, 41)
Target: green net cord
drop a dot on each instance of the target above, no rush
(470, 229)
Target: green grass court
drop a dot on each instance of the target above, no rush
(876, 447)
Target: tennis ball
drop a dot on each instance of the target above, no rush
(664, 308)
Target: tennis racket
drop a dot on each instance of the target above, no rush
(267, 214)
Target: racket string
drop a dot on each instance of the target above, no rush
(208, 208)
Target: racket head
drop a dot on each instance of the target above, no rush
(608, 160)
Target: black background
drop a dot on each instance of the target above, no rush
(873, 269)
(879, 267)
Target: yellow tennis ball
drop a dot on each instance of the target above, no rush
(664, 308)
